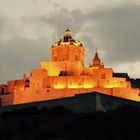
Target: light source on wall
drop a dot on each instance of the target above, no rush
(59, 86)
(89, 85)
(111, 86)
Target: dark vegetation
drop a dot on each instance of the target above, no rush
(60, 123)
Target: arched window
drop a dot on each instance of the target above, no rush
(2, 91)
(27, 83)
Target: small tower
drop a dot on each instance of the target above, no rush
(96, 63)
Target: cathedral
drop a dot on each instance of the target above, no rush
(66, 75)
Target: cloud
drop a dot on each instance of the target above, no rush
(118, 29)
(131, 68)
(60, 20)
(19, 55)
(3, 20)
(113, 28)
(115, 31)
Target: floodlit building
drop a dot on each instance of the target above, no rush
(65, 75)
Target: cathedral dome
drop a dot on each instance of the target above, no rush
(68, 49)
(68, 40)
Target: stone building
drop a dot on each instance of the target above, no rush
(66, 75)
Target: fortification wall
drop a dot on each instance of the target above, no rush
(80, 103)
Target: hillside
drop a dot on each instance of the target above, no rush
(58, 123)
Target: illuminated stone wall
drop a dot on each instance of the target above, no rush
(67, 52)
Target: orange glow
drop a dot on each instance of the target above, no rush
(86, 85)
(89, 85)
(111, 85)
(73, 86)
(59, 86)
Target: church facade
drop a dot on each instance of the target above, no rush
(65, 75)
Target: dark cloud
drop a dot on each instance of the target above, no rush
(117, 29)
(112, 30)
(61, 20)
(19, 55)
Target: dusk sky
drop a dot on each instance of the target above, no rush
(28, 28)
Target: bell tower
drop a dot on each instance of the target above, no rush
(96, 63)
(68, 49)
